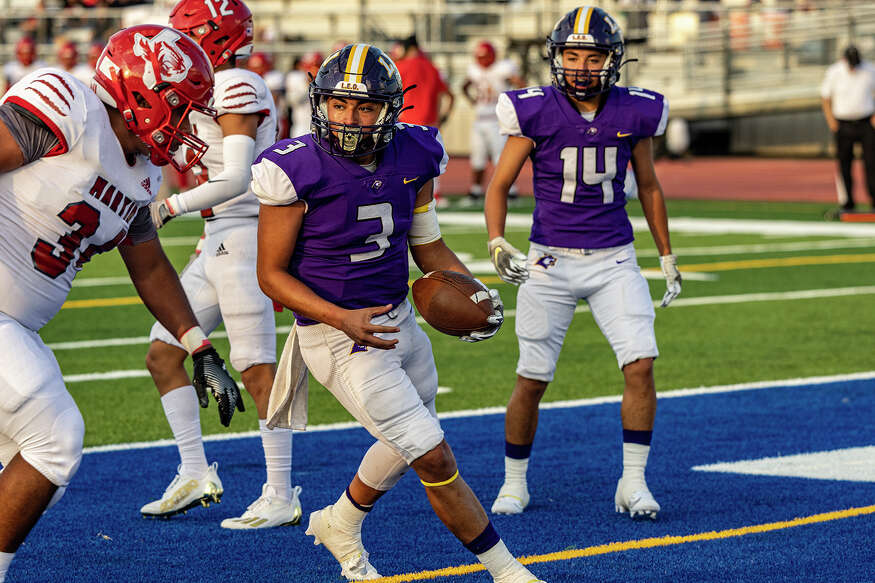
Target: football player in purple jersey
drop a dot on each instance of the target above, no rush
(339, 210)
(581, 134)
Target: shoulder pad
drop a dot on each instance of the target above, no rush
(58, 99)
(241, 91)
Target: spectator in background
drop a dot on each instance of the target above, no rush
(94, 53)
(68, 60)
(430, 101)
(298, 92)
(25, 62)
(486, 79)
(848, 101)
(262, 63)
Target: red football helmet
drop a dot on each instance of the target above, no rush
(68, 56)
(25, 50)
(259, 63)
(484, 52)
(223, 28)
(155, 76)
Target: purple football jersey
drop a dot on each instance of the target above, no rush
(579, 167)
(352, 246)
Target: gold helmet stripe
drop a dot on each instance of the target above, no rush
(586, 12)
(356, 63)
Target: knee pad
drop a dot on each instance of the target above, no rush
(382, 467)
(54, 448)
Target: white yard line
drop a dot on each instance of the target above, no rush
(809, 382)
(678, 303)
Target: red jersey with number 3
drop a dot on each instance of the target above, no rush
(78, 200)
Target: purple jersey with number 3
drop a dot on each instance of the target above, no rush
(352, 246)
(580, 166)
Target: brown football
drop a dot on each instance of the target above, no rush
(452, 303)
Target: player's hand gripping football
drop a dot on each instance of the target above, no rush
(669, 264)
(210, 375)
(509, 262)
(495, 320)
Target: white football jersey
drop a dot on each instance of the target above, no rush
(78, 200)
(489, 83)
(237, 91)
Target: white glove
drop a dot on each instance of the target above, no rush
(164, 210)
(669, 264)
(495, 320)
(509, 262)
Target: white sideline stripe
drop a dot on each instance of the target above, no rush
(680, 302)
(809, 382)
(852, 464)
(698, 225)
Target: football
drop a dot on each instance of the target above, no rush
(452, 303)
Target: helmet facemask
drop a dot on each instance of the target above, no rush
(577, 83)
(173, 142)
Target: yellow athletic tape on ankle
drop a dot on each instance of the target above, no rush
(449, 480)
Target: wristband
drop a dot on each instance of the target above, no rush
(194, 339)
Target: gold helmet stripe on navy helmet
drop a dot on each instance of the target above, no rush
(584, 13)
(355, 62)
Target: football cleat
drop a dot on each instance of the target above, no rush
(346, 547)
(633, 497)
(267, 511)
(521, 575)
(512, 499)
(186, 492)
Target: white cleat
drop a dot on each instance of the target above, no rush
(186, 492)
(346, 547)
(521, 575)
(633, 497)
(267, 511)
(512, 499)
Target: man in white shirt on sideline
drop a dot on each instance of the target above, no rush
(848, 102)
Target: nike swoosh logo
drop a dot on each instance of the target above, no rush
(623, 260)
(220, 180)
(623, 134)
(409, 180)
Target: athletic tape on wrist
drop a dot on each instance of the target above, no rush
(194, 339)
(449, 480)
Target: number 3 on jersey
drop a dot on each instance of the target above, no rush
(571, 177)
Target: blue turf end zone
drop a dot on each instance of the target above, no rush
(97, 534)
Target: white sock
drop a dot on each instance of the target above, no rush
(277, 444)
(634, 460)
(515, 470)
(348, 515)
(498, 561)
(183, 414)
(476, 190)
(5, 560)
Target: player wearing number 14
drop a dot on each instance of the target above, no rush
(581, 134)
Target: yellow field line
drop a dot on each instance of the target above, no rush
(780, 262)
(647, 543)
(133, 300)
(102, 302)
(492, 279)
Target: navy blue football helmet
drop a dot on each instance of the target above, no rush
(587, 27)
(357, 71)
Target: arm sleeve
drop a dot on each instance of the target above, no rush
(508, 122)
(826, 86)
(237, 153)
(33, 137)
(271, 185)
(142, 228)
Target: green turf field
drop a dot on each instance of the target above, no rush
(740, 318)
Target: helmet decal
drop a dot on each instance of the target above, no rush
(160, 52)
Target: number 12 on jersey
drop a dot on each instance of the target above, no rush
(572, 176)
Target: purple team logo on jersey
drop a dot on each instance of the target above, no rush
(546, 261)
(357, 348)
